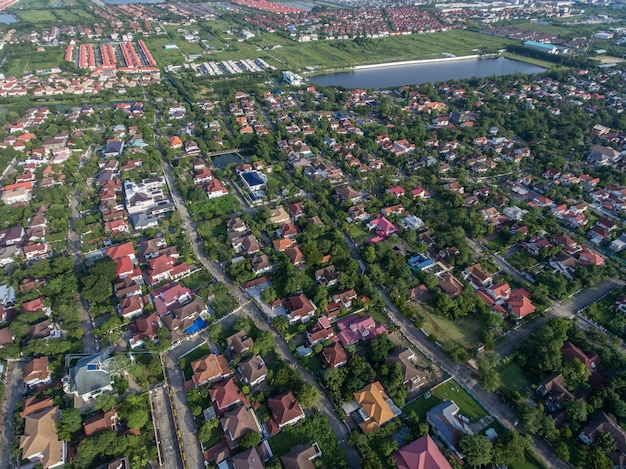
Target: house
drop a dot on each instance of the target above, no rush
(120, 251)
(588, 257)
(239, 342)
(565, 264)
(165, 268)
(216, 188)
(40, 442)
(187, 317)
(348, 194)
(169, 297)
(285, 411)
(37, 251)
(445, 424)
(209, 369)
(37, 372)
(130, 306)
(142, 329)
(335, 355)
(326, 276)
(261, 264)
(450, 285)
(411, 222)
(237, 423)
(519, 304)
(35, 404)
(299, 308)
(383, 227)
(249, 459)
(374, 407)
(297, 210)
(412, 376)
(477, 277)
(600, 155)
(423, 453)
(358, 212)
(322, 331)
(301, 456)
(90, 377)
(99, 423)
(354, 328)
(591, 362)
(604, 423)
(253, 370)
(226, 395)
(396, 191)
(554, 390)
(345, 298)
(278, 216)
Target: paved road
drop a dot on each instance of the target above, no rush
(165, 429)
(184, 416)
(502, 264)
(13, 391)
(250, 309)
(463, 374)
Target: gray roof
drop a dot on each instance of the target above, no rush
(443, 416)
(88, 376)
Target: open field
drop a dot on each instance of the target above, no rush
(327, 54)
(25, 57)
(513, 378)
(465, 333)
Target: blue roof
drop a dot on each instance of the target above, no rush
(253, 178)
(540, 45)
(196, 326)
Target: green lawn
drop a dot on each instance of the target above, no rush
(197, 280)
(313, 363)
(358, 234)
(223, 302)
(185, 362)
(216, 435)
(466, 332)
(513, 378)
(450, 390)
(530, 462)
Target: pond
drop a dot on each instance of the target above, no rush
(387, 75)
(222, 161)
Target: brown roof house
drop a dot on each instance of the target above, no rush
(239, 342)
(285, 411)
(412, 375)
(335, 355)
(40, 442)
(107, 421)
(37, 372)
(604, 423)
(301, 456)
(226, 395)
(207, 369)
(554, 389)
(299, 308)
(237, 423)
(253, 370)
(249, 459)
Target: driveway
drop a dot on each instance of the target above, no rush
(13, 392)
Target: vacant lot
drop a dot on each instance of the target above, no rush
(513, 378)
(466, 332)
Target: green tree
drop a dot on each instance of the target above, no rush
(281, 324)
(69, 423)
(307, 395)
(510, 447)
(250, 440)
(478, 450)
(105, 402)
(379, 348)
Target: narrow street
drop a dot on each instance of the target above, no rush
(165, 429)
(13, 391)
(249, 309)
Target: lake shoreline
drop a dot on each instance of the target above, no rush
(414, 62)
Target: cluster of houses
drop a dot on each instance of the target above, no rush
(305, 26)
(45, 328)
(172, 305)
(236, 415)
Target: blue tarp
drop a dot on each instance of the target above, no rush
(197, 325)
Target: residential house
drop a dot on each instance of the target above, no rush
(554, 390)
(278, 216)
(36, 372)
(209, 369)
(261, 264)
(99, 423)
(450, 285)
(299, 308)
(354, 328)
(322, 331)
(327, 276)
(411, 222)
(130, 306)
(477, 277)
(90, 377)
(285, 411)
(604, 423)
(412, 375)
(40, 442)
(358, 212)
(142, 329)
(226, 395)
(345, 298)
(591, 362)
(239, 342)
(374, 407)
(448, 428)
(348, 194)
(237, 423)
(301, 456)
(253, 370)
(600, 155)
(248, 459)
(423, 453)
(335, 355)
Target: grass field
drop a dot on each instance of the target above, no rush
(513, 378)
(450, 390)
(466, 332)
(25, 57)
(530, 462)
(357, 234)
